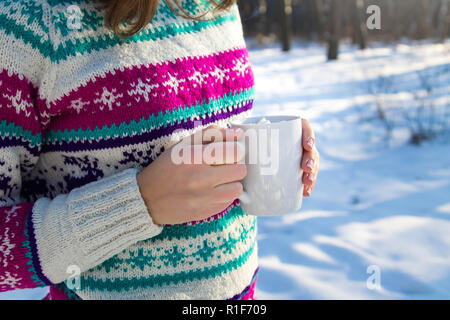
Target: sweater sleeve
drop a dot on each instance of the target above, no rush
(40, 240)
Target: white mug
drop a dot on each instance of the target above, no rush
(273, 152)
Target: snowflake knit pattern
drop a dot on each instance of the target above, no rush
(82, 112)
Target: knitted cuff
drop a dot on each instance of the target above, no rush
(91, 224)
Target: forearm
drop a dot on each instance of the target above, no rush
(83, 228)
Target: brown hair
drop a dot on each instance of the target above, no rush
(136, 14)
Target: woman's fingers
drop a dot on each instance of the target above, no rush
(216, 134)
(310, 161)
(228, 192)
(309, 139)
(219, 153)
(309, 181)
(224, 174)
(310, 166)
(213, 154)
(212, 133)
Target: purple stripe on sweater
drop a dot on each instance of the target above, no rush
(34, 252)
(73, 146)
(7, 141)
(247, 288)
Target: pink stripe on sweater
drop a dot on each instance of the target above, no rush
(251, 294)
(136, 92)
(17, 101)
(14, 268)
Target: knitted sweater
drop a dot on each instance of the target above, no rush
(82, 112)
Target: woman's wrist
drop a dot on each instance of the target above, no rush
(90, 224)
(142, 189)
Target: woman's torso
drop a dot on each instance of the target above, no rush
(106, 106)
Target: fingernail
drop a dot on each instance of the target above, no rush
(310, 142)
(311, 177)
(310, 164)
(308, 191)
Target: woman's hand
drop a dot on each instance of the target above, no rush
(179, 193)
(310, 161)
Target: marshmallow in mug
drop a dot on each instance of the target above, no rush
(264, 121)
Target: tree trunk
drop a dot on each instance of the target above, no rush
(317, 10)
(285, 14)
(444, 18)
(359, 26)
(334, 19)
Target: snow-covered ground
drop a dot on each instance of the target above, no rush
(378, 209)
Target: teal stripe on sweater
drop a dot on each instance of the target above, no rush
(90, 44)
(182, 231)
(153, 122)
(151, 281)
(13, 130)
(151, 254)
(31, 269)
(10, 27)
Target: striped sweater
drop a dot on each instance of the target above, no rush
(81, 113)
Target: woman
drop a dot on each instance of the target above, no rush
(92, 97)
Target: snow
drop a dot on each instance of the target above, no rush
(379, 204)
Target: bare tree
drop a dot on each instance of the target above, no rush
(359, 27)
(285, 18)
(317, 10)
(334, 20)
(443, 20)
(331, 20)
